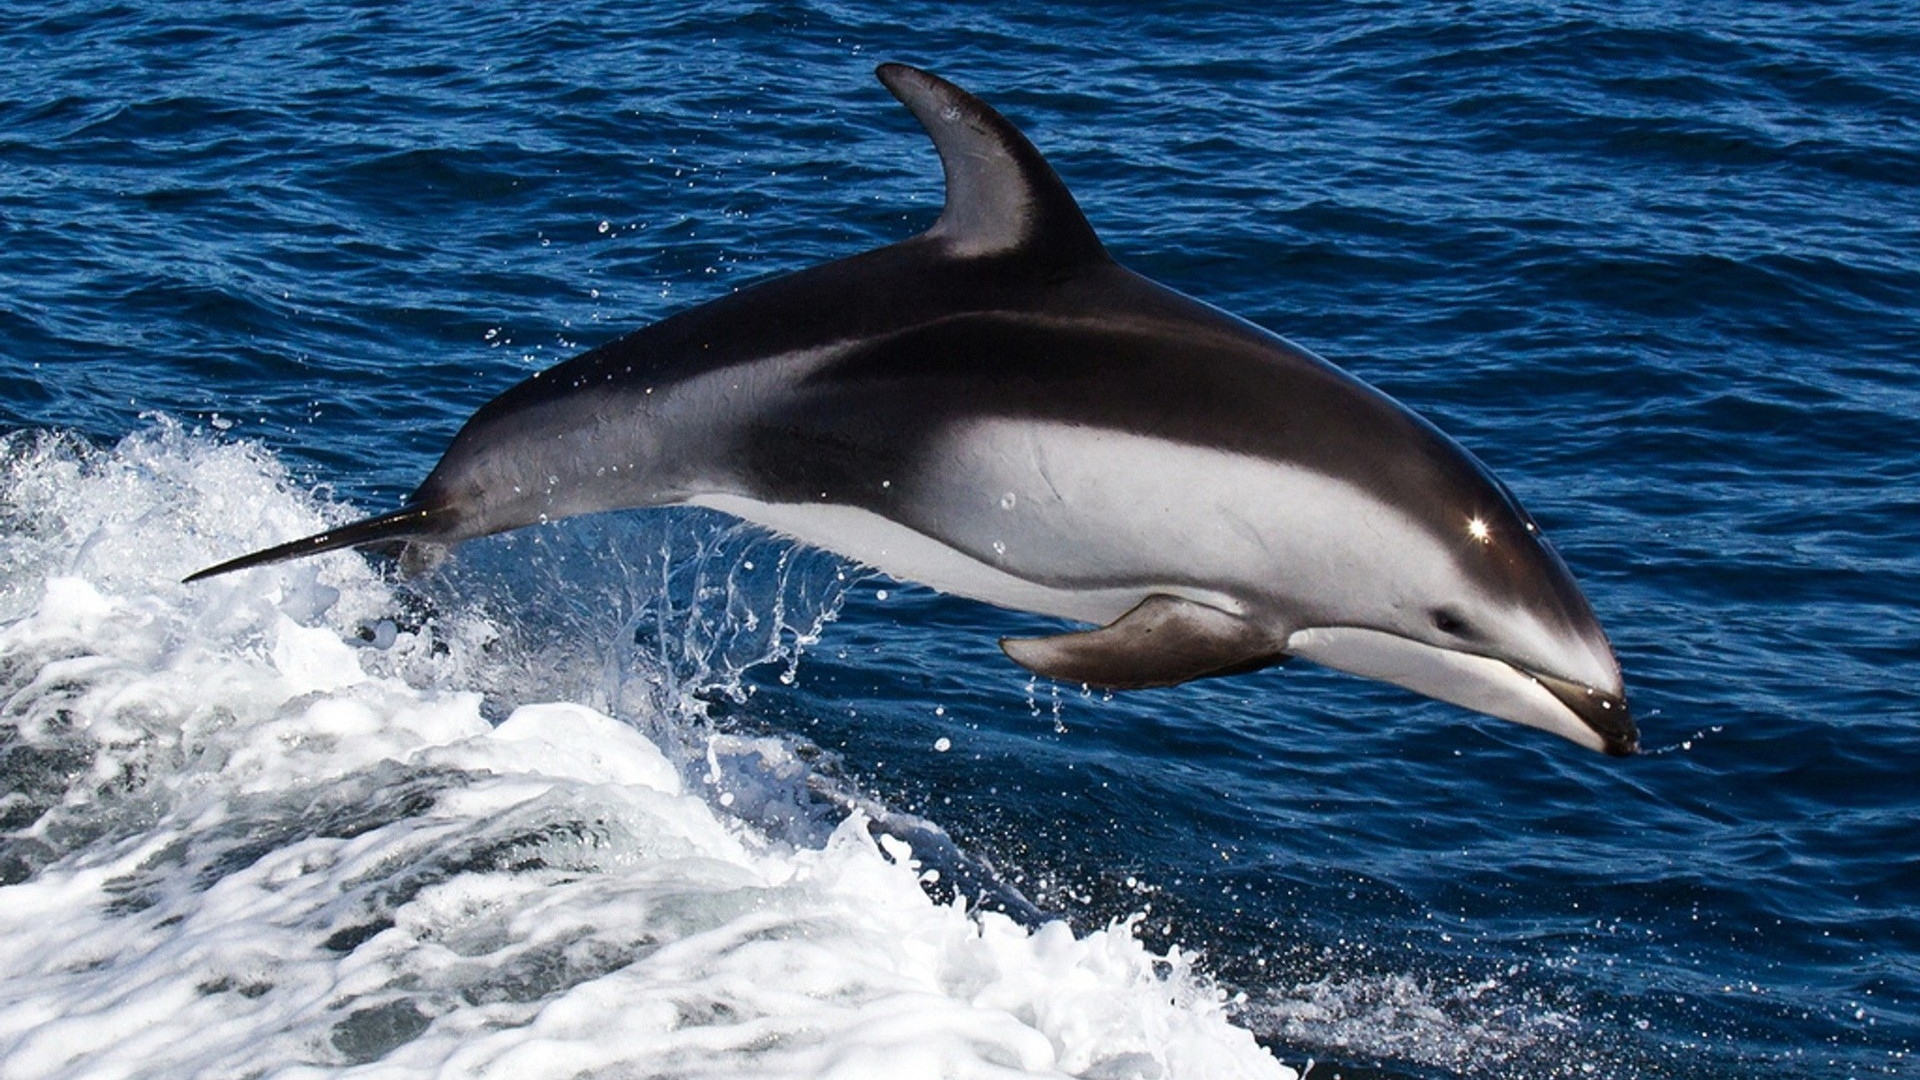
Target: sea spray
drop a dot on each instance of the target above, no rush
(265, 827)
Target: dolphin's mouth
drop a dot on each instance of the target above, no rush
(1594, 718)
(1605, 713)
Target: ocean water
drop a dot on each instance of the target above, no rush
(656, 794)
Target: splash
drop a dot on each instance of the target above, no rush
(271, 825)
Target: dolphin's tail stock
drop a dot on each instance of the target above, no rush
(410, 523)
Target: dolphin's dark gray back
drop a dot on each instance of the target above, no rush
(1008, 305)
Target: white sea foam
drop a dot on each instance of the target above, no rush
(262, 826)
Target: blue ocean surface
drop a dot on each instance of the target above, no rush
(1656, 264)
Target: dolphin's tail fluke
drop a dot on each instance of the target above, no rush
(404, 524)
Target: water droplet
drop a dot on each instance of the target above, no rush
(1007, 500)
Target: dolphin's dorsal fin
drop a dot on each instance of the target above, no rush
(1002, 196)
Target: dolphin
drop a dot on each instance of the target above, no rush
(997, 409)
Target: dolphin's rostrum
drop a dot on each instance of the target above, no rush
(997, 409)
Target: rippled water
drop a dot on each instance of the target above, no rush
(1656, 264)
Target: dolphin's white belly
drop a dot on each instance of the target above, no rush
(901, 552)
(1084, 523)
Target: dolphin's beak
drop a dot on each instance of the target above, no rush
(1605, 713)
(1596, 719)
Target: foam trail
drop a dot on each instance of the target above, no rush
(239, 843)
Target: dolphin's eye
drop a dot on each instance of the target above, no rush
(1448, 621)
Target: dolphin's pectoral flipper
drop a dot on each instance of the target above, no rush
(1163, 641)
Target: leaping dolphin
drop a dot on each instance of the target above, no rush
(997, 409)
